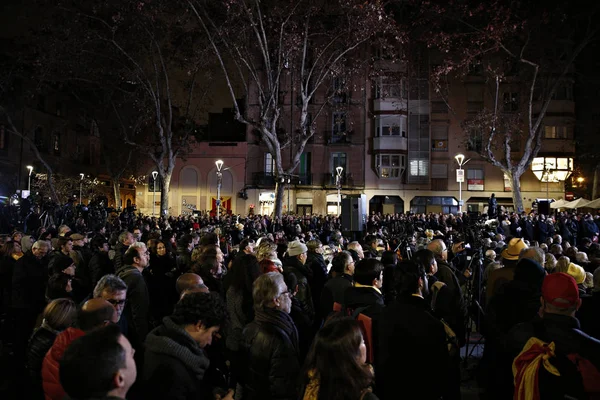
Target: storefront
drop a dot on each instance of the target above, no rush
(266, 201)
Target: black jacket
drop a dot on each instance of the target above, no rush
(410, 340)
(272, 365)
(333, 292)
(357, 297)
(99, 266)
(174, 365)
(29, 283)
(137, 309)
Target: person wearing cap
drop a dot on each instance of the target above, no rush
(295, 262)
(510, 257)
(556, 323)
(517, 301)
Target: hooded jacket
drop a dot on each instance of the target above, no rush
(174, 364)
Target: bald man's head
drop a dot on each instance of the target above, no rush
(96, 313)
(438, 247)
(188, 281)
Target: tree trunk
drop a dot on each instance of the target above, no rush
(117, 193)
(164, 193)
(595, 184)
(515, 185)
(279, 191)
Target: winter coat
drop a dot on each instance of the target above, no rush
(174, 364)
(272, 365)
(99, 266)
(29, 280)
(137, 309)
(53, 390)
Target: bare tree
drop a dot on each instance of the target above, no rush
(269, 45)
(523, 44)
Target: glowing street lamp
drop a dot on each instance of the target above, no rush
(154, 175)
(338, 182)
(80, 186)
(460, 177)
(219, 164)
(30, 168)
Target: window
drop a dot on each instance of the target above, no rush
(564, 92)
(339, 90)
(389, 88)
(439, 138)
(419, 89)
(339, 123)
(389, 166)
(475, 141)
(511, 102)
(439, 107)
(474, 99)
(419, 167)
(390, 125)
(56, 143)
(338, 160)
(439, 171)
(269, 164)
(555, 132)
(475, 179)
(305, 169)
(39, 139)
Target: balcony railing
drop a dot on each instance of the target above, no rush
(334, 137)
(263, 179)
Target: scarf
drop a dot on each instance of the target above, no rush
(526, 368)
(281, 320)
(172, 340)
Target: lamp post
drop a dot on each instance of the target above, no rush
(289, 181)
(338, 183)
(80, 187)
(154, 175)
(219, 164)
(460, 177)
(30, 168)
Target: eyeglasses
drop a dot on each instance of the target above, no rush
(117, 302)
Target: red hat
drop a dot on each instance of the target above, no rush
(560, 286)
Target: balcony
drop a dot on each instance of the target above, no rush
(341, 138)
(390, 104)
(304, 179)
(263, 179)
(384, 143)
(347, 180)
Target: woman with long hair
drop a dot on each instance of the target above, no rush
(336, 368)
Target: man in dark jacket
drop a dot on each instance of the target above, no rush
(342, 270)
(100, 263)
(175, 361)
(137, 309)
(271, 343)
(316, 263)
(296, 263)
(125, 240)
(407, 331)
(366, 293)
(28, 289)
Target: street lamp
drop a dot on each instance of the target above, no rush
(338, 183)
(154, 175)
(30, 168)
(219, 164)
(460, 177)
(80, 187)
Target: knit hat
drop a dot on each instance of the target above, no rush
(514, 249)
(296, 247)
(560, 286)
(577, 272)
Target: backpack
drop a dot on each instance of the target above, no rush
(451, 339)
(542, 371)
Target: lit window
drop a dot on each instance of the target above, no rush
(419, 167)
(390, 166)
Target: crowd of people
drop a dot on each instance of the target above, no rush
(267, 308)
